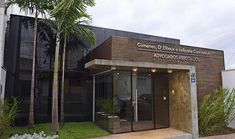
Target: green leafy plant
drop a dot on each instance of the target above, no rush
(106, 105)
(216, 111)
(8, 111)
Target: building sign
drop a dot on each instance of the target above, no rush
(169, 52)
(175, 57)
(193, 78)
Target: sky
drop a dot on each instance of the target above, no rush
(201, 23)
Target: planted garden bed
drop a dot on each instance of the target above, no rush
(68, 131)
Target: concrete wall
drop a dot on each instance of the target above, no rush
(228, 79)
(180, 102)
(2, 3)
(2, 40)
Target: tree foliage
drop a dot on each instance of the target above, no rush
(216, 111)
(30, 6)
(8, 111)
(66, 13)
(33, 7)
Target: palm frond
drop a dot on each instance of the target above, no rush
(216, 111)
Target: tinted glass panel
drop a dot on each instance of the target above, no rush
(143, 102)
(78, 86)
(122, 101)
(161, 84)
(104, 101)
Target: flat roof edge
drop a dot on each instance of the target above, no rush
(228, 70)
(121, 30)
(122, 63)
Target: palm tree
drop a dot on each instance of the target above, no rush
(34, 7)
(64, 14)
(80, 31)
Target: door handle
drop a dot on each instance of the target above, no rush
(136, 105)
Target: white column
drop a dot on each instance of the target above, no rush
(2, 40)
(134, 95)
(194, 108)
(93, 108)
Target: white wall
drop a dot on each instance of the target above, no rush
(2, 40)
(228, 81)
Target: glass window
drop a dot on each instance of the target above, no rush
(104, 101)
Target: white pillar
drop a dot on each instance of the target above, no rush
(2, 40)
(194, 107)
(135, 95)
(93, 102)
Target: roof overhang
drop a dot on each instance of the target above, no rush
(94, 64)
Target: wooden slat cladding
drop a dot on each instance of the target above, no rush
(103, 51)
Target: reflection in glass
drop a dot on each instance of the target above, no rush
(103, 101)
(142, 100)
(122, 100)
(78, 89)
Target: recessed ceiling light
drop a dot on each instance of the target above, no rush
(113, 68)
(169, 71)
(135, 69)
(153, 70)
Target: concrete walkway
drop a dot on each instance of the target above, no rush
(167, 133)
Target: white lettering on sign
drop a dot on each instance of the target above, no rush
(175, 57)
(194, 51)
(174, 53)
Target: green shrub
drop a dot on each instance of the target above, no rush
(216, 111)
(8, 110)
(107, 106)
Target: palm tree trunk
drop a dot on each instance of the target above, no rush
(62, 83)
(49, 104)
(55, 125)
(32, 90)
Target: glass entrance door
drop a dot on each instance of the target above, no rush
(122, 100)
(161, 91)
(142, 101)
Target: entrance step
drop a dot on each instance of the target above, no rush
(167, 133)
